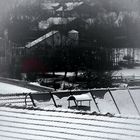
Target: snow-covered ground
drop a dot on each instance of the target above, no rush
(69, 74)
(9, 88)
(21, 124)
(123, 101)
(128, 72)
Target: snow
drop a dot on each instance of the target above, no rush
(43, 24)
(54, 21)
(60, 9)
(73, 31)
(49, 122)
(136, 96)
(69, 74)
(105, 102)
(128, 72)
(70, 6)
(8, 89)
(123, 101)
(49, 5)
(103, 99)
(82, 97)
(35, 83)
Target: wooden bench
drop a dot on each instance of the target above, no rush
(79, 99)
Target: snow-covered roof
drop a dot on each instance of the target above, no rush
(49, 5)
(41, 125)
(57, 20)
(54, 21)
(60, 9)
(70, 6)
(40, 39)
(80, 97)
(43, 24)
(73, 31)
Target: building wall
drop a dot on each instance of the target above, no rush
(54, 40)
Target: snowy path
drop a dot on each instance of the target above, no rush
(44, 125)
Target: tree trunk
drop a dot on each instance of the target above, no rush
(65, 75)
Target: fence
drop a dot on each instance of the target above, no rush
(126, 78)
(120, 99)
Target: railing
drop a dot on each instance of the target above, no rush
(133, 101)
(93, 93)
(31, 97)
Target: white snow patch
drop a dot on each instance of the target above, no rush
(128, 72)
(8, 88)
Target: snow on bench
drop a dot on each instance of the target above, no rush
(79, 99)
